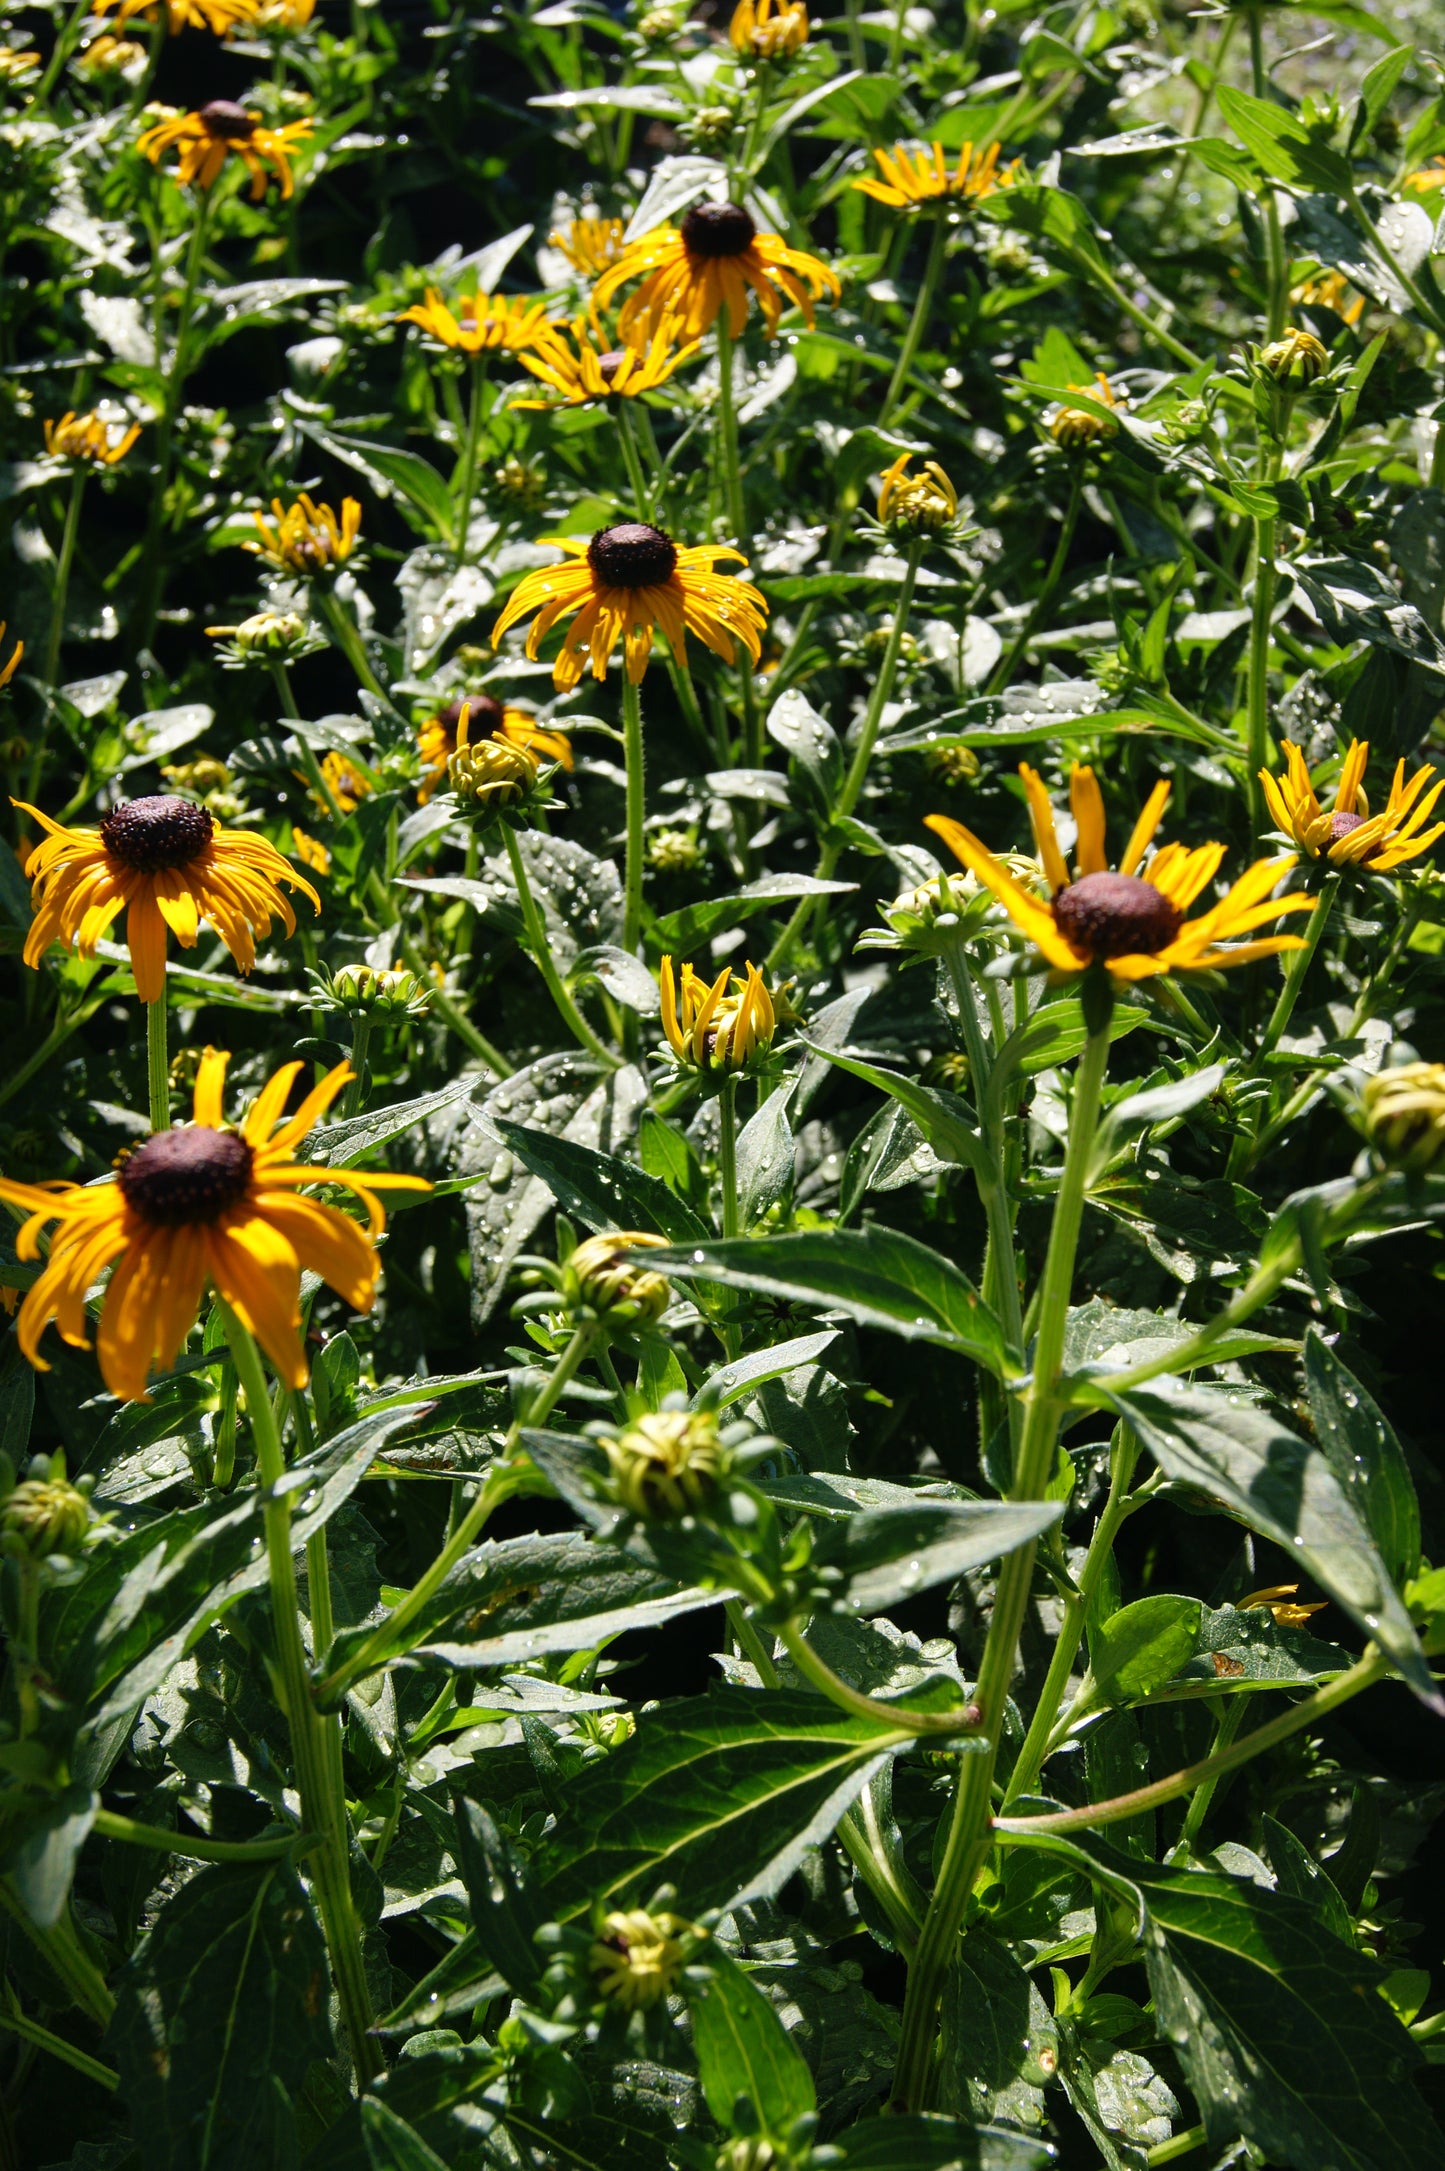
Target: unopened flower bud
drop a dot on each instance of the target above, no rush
(45, 1513)
(491, 776)
(1009, 257)
(375, 991)
(674, 851)
(667, 1464)
(521, 480)
(1295, 358)
(604, 1280)
(952, 764)
(1074, 429)
(921, 504)
(1404, 1112)
(710, 127)
(637, 1957)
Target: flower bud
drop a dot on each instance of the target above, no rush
(1404, 1112)
(674, 851)
(1295, 358)
(952, 764)
(45, 1513)
(637, 1957)
(667, 1464)
(379, 991)
(490, 776)
(1074, 429)
(602, 1279)
(726, 1027)
(750, 2152)
(710, 127)
(522, 481)
(913, 505)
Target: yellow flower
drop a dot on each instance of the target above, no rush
(915, 176)
(1074, 427)
(638, 1957)
(590, 244)
(1296, 357)
(1404, 1114)
(690, 273)
(106, 55)
(1134, 923)
(1330, 290)
(624, 583)
(510, 321)
(220, 17)
(8, 669)
(592, 374)
(916, 504)
(1428, 178)
(346, 783)
(310, 851)
(280, 14)
(484, 716)
(307, 538)
(717, 1027)
(103, 439)
(206, 139)
(194, 1206)
(769, 29)
(1278, 1601)
(166, 864)
(1349, 834)
(15, 66)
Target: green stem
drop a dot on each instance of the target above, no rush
(355, 1091)
(1178, 2144)
(968, 1838)
(1097, 276)
(727, 1108)
(540, 946)
(1261, 614)
(64, 46)
(317, 1770)
(918, 322)
(194, 1846)
(729, 470)
(634, 759)
(1204, 1793)
(642, 495)
(1008, 664)
(61, 1949)
(469, 455)
(1298, 965)
(153, 558)
(158, 1069)
(348, 639)
(30, 2031)
(61, 589)
(853, 1701)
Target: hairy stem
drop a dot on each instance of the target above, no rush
(158, 1069)
(635, 759)
(541, 949)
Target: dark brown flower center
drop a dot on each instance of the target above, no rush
(223, 117)
(151, 835)
(1116, 915)
(1344, 825)
(180, 1179)
(609, 364)
(717, 230)
(485, 715)
(632, 555)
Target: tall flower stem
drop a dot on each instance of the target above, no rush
(540, 946)
(356, 1090)
(63, 1952)
(1257, 709)
(627, 438)
(315, 1739)
(63, 564)
(1005, 669)
(153, 558)
(158, 1069)
(61, 51)
(1298, 965)
(347, 637)
(918, 322)
(729, 469)
(727, 1109)
(857, 776)
(968, 1837)
(634, 759)
(469, 454)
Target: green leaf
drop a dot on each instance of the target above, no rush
(1300, 1877)
(918, 2142)
(600, 1188)
(1238, 1651)
(342, 1145)
(1136, 1650)
(720, 1795)
(17, 1408)
(744, 1374)
(218, 2015)
(1357, 601)
(888, 1554)
(1282, 145)
(743, 2050)
(941, 1117)
(505, 1915)
(811, 741)
(40, 1869)
(877, 1276)
(1358, 1444)
(404, 476)
(765, 1160)
(1280, 1486)
(997, 2039)
(682, 932)
(1054, 1034)
(388, 2143)
(1102, 1338)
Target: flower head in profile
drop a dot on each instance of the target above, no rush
(768, 29)
(913, 505)
(1074, 429)
(584, 372)
(1131, 921)
(1349, 835)
(220, 17)
(713, 261)
(100, 439)
(1403, 1113)
(306, 538)
(167, 864)
(106, 55)
(1296, 358)
(473, 717)
(590, 243)
(206, 138)
(621, 586)
(915, 175)
(198, 1206)
(11, 664)
(483, 322)
(722, 1026)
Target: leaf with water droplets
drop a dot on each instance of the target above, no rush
(1360, 1447)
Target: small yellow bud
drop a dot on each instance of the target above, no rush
(45, 1514)
(1074, 429)
(637, 1957)
(1296, 357)
(602, 1277)
(668, 1464)
(490, 775)
(1404, 1111)
(921, 504)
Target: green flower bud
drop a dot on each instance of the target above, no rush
(637, 1957)
(1404, 1115)
(45, 1513)
(491, 777)
(601, 1278)
(666, 1465)
(1295, 358)
(674, 851)
(377, 991)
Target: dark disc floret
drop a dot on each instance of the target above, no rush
(1116, 915)
(156, 833)
(718, 230)
(485, 714)
(224, 117)
(1344, 825)
(180, 1179)
(632, 555)
(608, 364)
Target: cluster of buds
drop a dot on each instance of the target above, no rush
(949, 908)
(1076, 429)
(667, 1464)
(914, 505)
(675, 851)
(107, 55)
(637, 1957)
(1403, 1112)
(952, 764)
(372, 991)
(43, 1515)
(709, 128)
(1296, 359)
(723, 1027)
(600, 1284)
(264, 637)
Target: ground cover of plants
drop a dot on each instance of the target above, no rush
(722, 1121)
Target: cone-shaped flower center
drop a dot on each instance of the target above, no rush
(223, 117)
(1344, 825)
(717, 230)
(1116, 915)
(609, 364)
(183, 1178)
(156, 833)
(632, 555)
(484, 714)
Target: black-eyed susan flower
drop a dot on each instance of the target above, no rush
(915, 175)
(590, 244)
(166, 864)
(284, 15)
(584, 372)
(1403, 1113)
(220, 17)
(717, 1026)
(1132, 922)
(196, 1206)
(1349, 835)
(483, 322)
(347, 784)
(1329, 290)
(768, 29)
(206, 138)
(310, 851)
(1281, 1602)
(486, 717)
(17, 66)
(690, 273)
(1074, 429)
(306, 538)
(622, 585)
(921, 504)
(100, 439)
(11, 664)
(637, 1957)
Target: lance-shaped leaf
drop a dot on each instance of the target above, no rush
(600, 1188)
(875, 1275)
(888, 1554)
(1360, 1447)
(744, 1374)
(743, 2050)
(720, 1795)
(505, 1913)
(1282, 1487)
(942, 1117)
(922, 2143)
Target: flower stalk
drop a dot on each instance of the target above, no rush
(540, 946)
(634, 760)
(158, 1069)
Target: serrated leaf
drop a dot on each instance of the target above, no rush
(1360, 1447)
(600, 1188)
(888, 1554)
(744, 2053)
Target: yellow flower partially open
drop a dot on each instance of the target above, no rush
(768, 29)
(1349, 835)
(101, 439)
(914, 175)
(512, 322)
(585, 372)
(306, 538)
(719, 1027)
